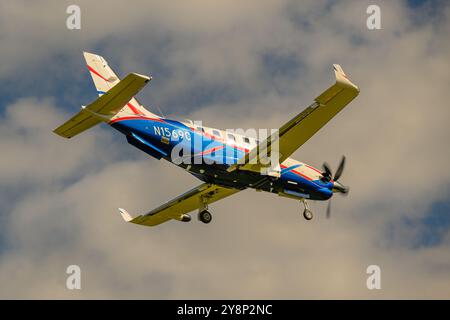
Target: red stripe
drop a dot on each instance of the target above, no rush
(312, 168)
(302, 175)
(296, 172)
(135, 118)
(96, 73)
(211, 150)
(134, 109)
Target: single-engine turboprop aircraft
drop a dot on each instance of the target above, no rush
(225, 162)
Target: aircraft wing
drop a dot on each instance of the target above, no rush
(193, 199)
(299, 129)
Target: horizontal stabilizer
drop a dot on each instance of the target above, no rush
(105, 107)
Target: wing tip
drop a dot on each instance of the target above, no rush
(342, 78)
(58, 131)
(143, 76)
(125, 215)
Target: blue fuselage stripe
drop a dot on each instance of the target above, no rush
(160, 135)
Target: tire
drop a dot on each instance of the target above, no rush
(307, 214)
(205, 216)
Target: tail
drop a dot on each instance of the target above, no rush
(116, 98)
(105, 78)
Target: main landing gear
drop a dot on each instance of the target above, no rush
(307, 213)
(203, 214)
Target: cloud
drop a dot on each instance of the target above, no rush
(59, 197)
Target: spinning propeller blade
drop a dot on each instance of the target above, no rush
(339, 187)
(340, 169)
(329, 209)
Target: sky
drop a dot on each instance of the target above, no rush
(254, 64)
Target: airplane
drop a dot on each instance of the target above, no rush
(224, 161)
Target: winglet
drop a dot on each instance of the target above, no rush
(125, 215)
(341, 78)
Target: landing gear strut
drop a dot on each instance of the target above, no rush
(307, 213)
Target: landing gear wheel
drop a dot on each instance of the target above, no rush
(307, 214)
(205, 216)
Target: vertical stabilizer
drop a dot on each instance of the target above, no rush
(105, 78)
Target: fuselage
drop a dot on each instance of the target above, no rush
(207, 152)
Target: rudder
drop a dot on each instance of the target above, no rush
(105, 78)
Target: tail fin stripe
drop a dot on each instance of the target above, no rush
(134, 109)
(105, 79)
(96, 73)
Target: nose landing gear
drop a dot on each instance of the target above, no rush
(307, 213)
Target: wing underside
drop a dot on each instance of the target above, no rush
(302, 127)
(191, 200)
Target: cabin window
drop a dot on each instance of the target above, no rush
(231, 137)
(246, 140)
(216, 133)
(201, 129)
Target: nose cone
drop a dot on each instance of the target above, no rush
(339, 187)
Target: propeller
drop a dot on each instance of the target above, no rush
(326, 172)
(340, 169)
(329, 209)
(339, 187)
